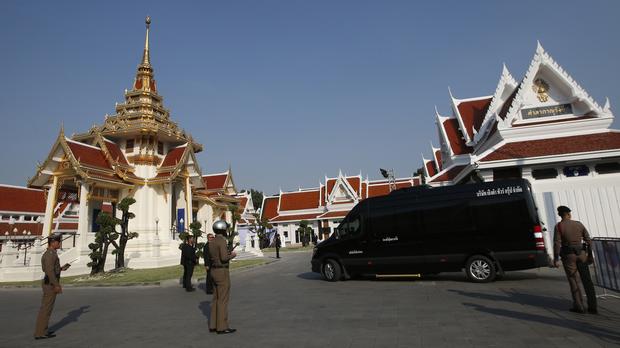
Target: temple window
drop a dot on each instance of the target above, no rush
(160, 148)
(506, 173)
(579, 170)
(129, 146)
(546, 173)
(607, 168)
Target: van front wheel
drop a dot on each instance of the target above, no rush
(480, 269)
(331, 270)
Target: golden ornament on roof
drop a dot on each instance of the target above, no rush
(541, 88)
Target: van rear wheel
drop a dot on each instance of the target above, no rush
(331, 270)
(480, 269)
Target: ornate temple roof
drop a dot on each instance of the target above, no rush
(143, 111)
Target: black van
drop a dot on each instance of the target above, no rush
(485, 228)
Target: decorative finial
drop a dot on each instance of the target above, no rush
(146, 61)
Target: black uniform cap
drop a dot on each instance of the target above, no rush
(55, 237)
(563, 209)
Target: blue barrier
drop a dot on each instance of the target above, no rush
(607, 262)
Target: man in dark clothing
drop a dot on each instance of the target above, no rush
(188, 260)
(569, 239)
(208, 264)
(278, 245)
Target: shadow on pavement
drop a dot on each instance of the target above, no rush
(309, 276)
(71, 317)
(205, 308)
(608, 334)
(520, 298)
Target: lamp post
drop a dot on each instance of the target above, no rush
(157, 226)
(26, 244)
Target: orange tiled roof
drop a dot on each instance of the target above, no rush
(270, 207)
(299, 200)
(215, 181)
(88, 155)
(472, 113)
(556, 146)
(21, 199)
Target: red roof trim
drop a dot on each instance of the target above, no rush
(450, 174)
(557, 146)
(297, 217)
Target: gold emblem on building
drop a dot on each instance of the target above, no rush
(541, 88)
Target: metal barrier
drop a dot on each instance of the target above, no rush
(607, 263)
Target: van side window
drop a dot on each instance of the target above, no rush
(390, 224)
(350, 227)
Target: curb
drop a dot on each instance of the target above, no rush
(155, 283)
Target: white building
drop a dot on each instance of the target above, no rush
(544, 128)
(325, 206)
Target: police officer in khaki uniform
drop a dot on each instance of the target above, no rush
(571, 242)
(220, 257)
(51, 286)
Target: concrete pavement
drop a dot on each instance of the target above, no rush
(283, 304)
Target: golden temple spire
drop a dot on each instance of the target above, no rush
(146, 60)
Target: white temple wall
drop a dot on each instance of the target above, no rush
(593, 199)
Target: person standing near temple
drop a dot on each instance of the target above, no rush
(188, 260)
(278, 244)
(51, 286)
(220, 258)
(208, 265)
(571, 242)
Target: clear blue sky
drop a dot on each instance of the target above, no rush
(285, 91)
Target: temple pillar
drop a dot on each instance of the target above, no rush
(49, 207)
(83, 228)
(188, 203)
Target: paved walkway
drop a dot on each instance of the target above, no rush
(283, 304)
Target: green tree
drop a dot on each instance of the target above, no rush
(305, 232)
(257, 198)
(232, 229)
(103, 239)
(195, 230)
(260, 225)
(124, 236)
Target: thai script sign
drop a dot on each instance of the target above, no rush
(547, 111)
(499, 191)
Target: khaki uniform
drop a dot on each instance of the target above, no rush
(567, 243)
(221, 277)
(51, 267)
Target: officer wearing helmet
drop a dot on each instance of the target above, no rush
(220, 258)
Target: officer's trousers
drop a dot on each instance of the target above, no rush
(219, 302)
(209, 282)
(188, 271)
(574, 265)
(45, 312)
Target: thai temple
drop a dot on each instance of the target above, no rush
(138, 152)
(545, 128)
